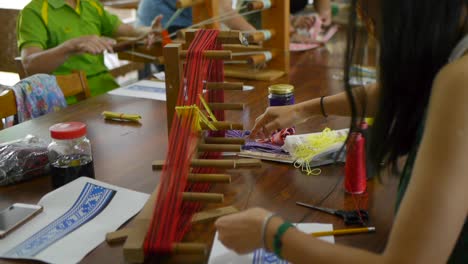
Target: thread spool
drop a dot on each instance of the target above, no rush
(355, 166)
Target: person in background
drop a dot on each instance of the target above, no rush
(59, 36)
(148, 9)
(420, 112)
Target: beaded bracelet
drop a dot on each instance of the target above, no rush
(277, 244)
(322, 108)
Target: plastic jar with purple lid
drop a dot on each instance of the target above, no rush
(281, 94)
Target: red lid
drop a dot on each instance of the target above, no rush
(68, 130)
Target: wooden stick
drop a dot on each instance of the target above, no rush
(226, 106)
(223, 140)
(203, 197)
(219, 148)
(214, 178)
(214, 213)
(239, 163)
(118, 236)
(222, 125)
(260, 58)
(217, 163)
(238, 86)
(259, 36)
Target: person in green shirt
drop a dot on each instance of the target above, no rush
(59, 36)
(421, 113)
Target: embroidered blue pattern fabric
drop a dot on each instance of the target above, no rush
(261, 257)
(92, 200)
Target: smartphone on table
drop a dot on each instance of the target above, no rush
(15, 215)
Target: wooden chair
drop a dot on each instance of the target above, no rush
(73, 84)
(7, 105)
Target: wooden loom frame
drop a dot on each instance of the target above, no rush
(134, 235)
(277, 19)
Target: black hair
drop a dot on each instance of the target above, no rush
(297, 5)
(416, 39)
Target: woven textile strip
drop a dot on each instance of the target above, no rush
(171, 217)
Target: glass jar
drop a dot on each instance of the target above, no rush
(281, 94)
(69, 153)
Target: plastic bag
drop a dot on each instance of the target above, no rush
(23, 159)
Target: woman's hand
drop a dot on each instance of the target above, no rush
(92, 44)
(277, 117)
(155, 32)
(300, 21)
(242, 232)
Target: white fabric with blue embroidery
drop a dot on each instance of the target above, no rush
(221, 255)
(75, 220)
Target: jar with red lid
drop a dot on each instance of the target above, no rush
(70, 154)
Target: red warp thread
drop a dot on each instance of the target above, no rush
(355, 166)
(171, 217)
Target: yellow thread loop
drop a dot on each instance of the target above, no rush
(198, 116)
(207, 108)
(314, 145)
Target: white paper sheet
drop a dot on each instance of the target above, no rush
(72, 247)
(221, 255)
(143, 89)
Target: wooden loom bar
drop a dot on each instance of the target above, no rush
(226, 106)
(237, 86)
(212, 54)
(219, 148)
(223, 140)
(205, 177)
(222, 125)
(203, 197)
(216, 163)
(259, 36)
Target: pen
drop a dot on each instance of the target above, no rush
(344, 231)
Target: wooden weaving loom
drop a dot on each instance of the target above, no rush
(269, 59)
(197, 152)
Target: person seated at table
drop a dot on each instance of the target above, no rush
(305, 21)
(420, 111)
(148, 9)
(59, 36)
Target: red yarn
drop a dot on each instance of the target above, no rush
(171, 217)
(355, 166)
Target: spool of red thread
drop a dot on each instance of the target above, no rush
(355, 166)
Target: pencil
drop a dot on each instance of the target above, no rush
(344, 231)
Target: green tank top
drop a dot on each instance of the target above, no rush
(460, 252)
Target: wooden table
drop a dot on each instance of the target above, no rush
(123, 154)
